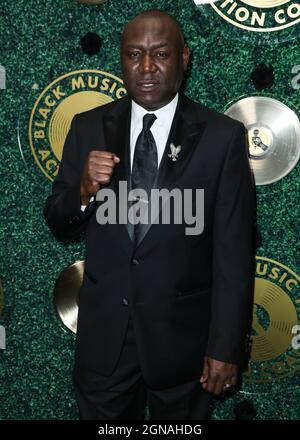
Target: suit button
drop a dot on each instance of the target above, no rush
(135, 261)
(74, 220)
(125, 302)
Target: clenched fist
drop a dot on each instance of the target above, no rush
(98, 170)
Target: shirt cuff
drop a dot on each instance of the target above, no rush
(82, 207)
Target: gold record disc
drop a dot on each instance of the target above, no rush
(66, 294)
(273, 136)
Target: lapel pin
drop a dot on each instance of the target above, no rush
(174, 152)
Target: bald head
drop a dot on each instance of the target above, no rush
(155, 15)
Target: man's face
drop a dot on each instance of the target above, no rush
(153, 61)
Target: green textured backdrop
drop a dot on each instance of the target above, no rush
(39, 41)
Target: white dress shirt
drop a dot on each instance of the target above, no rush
(160, 128)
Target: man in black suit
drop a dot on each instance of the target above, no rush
(163, 315)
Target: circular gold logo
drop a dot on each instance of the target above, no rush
(258, 15)
(276, 313)
(51, 117)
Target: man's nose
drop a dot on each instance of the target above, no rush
(147, 64)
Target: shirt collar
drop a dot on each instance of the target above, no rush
(164, 114)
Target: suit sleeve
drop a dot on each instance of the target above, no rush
(233, 255)
(62, 210)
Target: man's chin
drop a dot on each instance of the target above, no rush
(150, 102)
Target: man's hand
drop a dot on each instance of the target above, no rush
(218, 376)
(98, 170)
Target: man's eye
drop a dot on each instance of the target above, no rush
(134, 54)
(161, 55)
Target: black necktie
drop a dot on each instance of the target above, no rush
(144, 166)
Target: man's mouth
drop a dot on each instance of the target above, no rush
(147, 85)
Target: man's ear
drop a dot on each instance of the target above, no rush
(185, 56)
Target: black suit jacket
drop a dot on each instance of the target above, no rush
(189, 295)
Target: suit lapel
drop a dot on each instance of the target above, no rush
(116, 127)
(186, 133)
